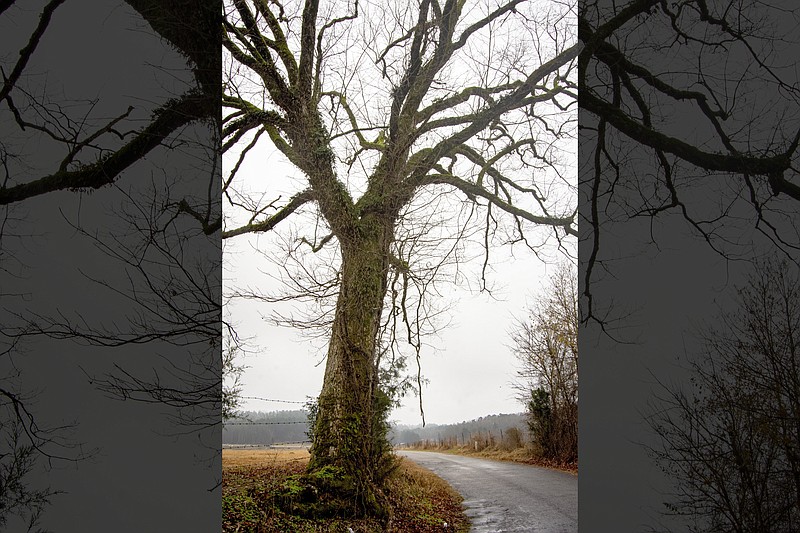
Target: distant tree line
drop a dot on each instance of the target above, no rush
(486, 430)
(250, 427)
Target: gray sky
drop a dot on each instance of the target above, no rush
(666, 292)
(469, 365)
(103, 51)
(661, 271)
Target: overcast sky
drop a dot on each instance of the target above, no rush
(103, 51)
(664, 275)
(469, 364)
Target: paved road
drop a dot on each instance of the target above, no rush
(506, 497)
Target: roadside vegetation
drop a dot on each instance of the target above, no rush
(511, 445)
(546, 345)
(262, 493)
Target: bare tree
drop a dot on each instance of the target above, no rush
(731, 439)
(688, 110)
(26, 447)
(96, 153)
(165, 227)
(390, 112)
(18, 499)
(172, 294)
(546, 344)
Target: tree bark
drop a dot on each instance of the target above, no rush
(348, 428)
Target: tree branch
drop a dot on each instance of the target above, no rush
(773, 167)
(167, 119)
(472, 191)
(266, 225)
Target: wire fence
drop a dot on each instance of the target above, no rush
(264, 423)
(272, 400)
(268, 446)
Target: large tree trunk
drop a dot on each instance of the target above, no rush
(348, 433)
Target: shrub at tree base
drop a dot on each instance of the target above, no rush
(324, 493)
(335, 484)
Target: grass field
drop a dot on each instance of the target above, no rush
(251, 480)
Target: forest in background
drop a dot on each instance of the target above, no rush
(276, 427)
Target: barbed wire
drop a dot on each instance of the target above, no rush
(263, 423)
(234, 446)
(270, 399)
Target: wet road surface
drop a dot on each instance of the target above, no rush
(505, 497)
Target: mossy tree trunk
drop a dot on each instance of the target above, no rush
(348, 434)
(350, 411)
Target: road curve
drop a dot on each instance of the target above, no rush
(505, 497)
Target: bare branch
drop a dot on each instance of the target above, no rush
(167, 119)
(266, 225)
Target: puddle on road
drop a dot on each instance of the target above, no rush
(484, 515)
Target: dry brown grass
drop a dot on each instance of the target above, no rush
(518, 455)
(523, 455)
(421, 501)
(262, 457)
